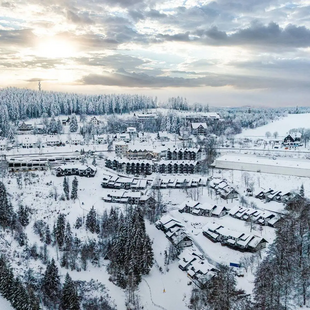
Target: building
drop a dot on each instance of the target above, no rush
(94, 121)
(25, 128)
(76, 169)
(146, 117)
(183, 154)
(3, 144)
(131, 131)
(28, 141)
(199, 128)
(121, 148)
(141, 154)
(52, 140)
(100, 139)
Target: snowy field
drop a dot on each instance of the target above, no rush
(282, 126)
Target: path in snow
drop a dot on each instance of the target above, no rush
(158, 306)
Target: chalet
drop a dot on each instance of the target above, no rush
(185, 260)
(76, 139)
(227, 193)
(204, 209)
(256, 244)
(100, 139)
(65, 121)
(210, 231)
(52, 140)
(290, 141)
(25, 128)
(242, 243)
(124, 137)
(166, 220)
(189, 207)
(180, 239)
(28, 141)
(219, 211)
(94, 121)
(123, 197)
(199, 128)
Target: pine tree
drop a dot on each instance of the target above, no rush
(60, 230)
(91, 220)
(6, 209)
(68, 237)
(48, 237)
(74, 190)
(23, 215)
(66, 187)
(69, 297)
(52, 129)
(59, 127)
(302, 191)
(73, 123)
(51, 283)
(94, 163)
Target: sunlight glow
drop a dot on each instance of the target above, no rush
(55, 48)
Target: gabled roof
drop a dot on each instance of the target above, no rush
(197, 125)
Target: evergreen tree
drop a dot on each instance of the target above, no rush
(131, 253)
(51, 284)
(68, 237)
(94, 163)
(6, 209)
(91, 220)
(66, 187)
(52, 129)
(75, 184)
(60, 230)
(69, 296)
(302, 191)
(59, 126)
(73, 123)
(23, 215)
(48, 237)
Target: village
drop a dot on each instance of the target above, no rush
(205, 214)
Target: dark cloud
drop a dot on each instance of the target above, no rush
(123, 78)
(117, 61)
(272, 35)
(79, 18)
(21, 38)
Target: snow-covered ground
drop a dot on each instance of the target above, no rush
(282, 126)
(4, 304)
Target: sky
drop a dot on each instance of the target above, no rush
(224, 52)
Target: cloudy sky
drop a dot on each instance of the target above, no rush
(224, 52)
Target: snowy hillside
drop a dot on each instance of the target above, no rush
(282, 126)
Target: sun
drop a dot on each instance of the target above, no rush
(55, 48)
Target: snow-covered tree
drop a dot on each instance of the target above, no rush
(75, 184)
(73, 123)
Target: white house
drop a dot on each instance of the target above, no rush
(27, 141)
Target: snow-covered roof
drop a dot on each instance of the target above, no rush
(206, 206)
(211, 227)
(255, 242)
(197, 125)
